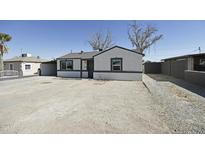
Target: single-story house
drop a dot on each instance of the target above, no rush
(115, 63)
(25, 64)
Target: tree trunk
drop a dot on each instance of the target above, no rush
(1, 62)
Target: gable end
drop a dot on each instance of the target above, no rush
(120, 48)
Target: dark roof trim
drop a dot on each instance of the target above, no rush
(120, 48)
(49, 62)
(185, 56)
(103, 71)
(67, 58)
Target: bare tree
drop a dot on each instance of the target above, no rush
(101, 42)
(142, 37)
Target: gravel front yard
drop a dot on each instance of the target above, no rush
(181, 105)
(55, 105)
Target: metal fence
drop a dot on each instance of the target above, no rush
(9, 73)
(152, 67)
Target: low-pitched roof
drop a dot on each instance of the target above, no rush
(26, 59)
(88, 55)
(83, 55)
(185, 56)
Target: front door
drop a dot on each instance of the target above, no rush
(90, 67)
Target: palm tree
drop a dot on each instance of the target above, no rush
(3, 48)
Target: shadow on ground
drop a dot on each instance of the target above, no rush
(188, 86)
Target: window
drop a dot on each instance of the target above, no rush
(202, 61)
(116, 64)
(11, 66)
(84, 64)
(27, 67)
(66, 65)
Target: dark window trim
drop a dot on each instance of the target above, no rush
(66, 66)
(73, 70)
(200, 61)
(107, 71)
(11, 64)
(27, 65)
(81, 74)
(66, 58)
(120, 64)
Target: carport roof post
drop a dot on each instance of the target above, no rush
(190, 63)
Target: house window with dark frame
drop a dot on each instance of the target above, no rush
(27, 67)
(66, 64)
(11, 66)
(202, 62)
(116, 64)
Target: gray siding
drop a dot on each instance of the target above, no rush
(131, 60)
(118, 76)
(131, 63)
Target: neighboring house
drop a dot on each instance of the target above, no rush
(116, 63)
(25, 64)
(188, 67)
(176, 66)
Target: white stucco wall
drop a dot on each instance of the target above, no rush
(131, 65)
(32, 71)
(20, 67)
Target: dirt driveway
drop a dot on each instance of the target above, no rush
(55, 105)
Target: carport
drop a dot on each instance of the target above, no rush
(48, 68)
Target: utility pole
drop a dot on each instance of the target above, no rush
(199, 49)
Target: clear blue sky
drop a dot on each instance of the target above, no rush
(51, 39)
